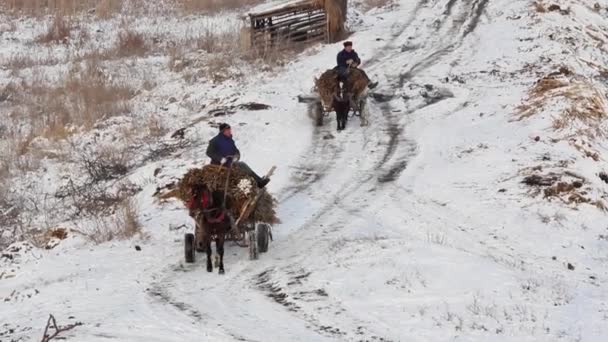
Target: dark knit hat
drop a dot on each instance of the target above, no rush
(224, 126)
(348, 43)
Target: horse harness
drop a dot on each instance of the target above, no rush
(204, 205)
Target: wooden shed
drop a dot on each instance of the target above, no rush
(297, 22)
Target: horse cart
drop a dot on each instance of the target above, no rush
(221, 218)
(346, 99)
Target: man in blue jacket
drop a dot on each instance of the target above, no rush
(348, 58)
(222, 151)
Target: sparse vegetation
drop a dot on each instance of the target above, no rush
(58, 31)
(124, 224)
(371, 4)
(106, 8)
(130, 43)
(587, 106)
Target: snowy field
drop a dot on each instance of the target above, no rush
(418, 227)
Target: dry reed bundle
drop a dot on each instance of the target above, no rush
(327, 86)
(241, 188)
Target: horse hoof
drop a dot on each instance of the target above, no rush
(209, 269)
(222, 271)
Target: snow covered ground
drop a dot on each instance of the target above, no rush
(415, 228)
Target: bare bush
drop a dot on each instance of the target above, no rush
(155, 127)
(130, 44)
(84, 97)
(94, 199)
(106, 8)
(124, 224)
(105, 164)
(57, 32)
(23, 61)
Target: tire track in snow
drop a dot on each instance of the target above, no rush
(477, 9)
(339, 199)
(308, 173)
(448, 8)
(306, 176)
(327, 157)
(159, 291)
(395, 142)
(435, 56)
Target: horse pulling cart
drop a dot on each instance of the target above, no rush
(234, 211)
(346, 99)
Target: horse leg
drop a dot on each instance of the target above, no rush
(207, 243)
(363, 111)
(219, 245)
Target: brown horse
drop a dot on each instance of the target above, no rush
(213, 222)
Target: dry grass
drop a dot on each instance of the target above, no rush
(65, 7)
(107, 8)
(130, 44)
(155, 127)
(371, 4)
(124, 224)
(24, 61)
(84, 96)
(58, 31)
(218, 56)
(586, 110)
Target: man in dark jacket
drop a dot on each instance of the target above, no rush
(222, 151)
(348, 58)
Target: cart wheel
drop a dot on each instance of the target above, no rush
(318, 113)
(253, 246)
(189, 247)
(263, 237)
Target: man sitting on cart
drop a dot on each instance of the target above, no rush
(348, 58)
(222, 151)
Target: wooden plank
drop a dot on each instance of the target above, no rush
(292, 7)
(290, 45)
(298, 18)
(290, 15)
(311, 31)
(302, 17)
(286, 31)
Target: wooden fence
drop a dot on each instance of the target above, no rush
(300, 22)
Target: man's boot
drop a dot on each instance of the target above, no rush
(262, 182)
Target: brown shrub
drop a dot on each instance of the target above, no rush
(57, 32)
(106, 8)
(23, 61)
(130, 43)
(155, 127)
(586, 109)
(57, 109)
(124, 224)
(539, 7)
